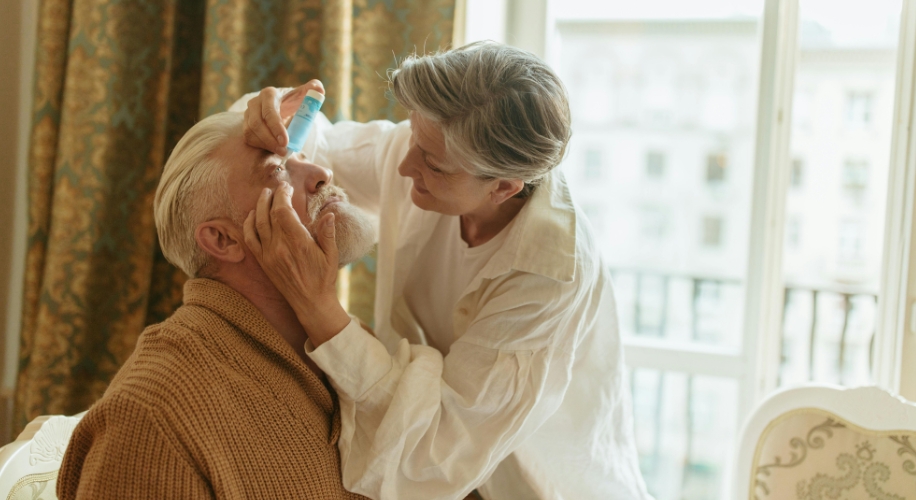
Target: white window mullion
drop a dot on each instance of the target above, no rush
(765, 289)
(894, 331)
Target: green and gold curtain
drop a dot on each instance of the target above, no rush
(117, 84)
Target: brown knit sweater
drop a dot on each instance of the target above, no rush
(213, 403)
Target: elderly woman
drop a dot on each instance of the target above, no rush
(498, 363)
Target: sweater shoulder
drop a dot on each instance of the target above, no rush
(173, 360)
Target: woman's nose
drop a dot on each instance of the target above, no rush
(407, 167)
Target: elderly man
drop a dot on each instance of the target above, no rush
(220, 400)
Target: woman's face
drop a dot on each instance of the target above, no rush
(438, 184)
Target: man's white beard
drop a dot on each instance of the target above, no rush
(354, 233)
(354, 230)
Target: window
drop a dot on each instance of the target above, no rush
(689, 76)
(859, 109)
(715, 168)
(712, 232)
(855, 179)
(655, 164)
(797, 177)
(593, 166)
(652, 305)
(653, 224)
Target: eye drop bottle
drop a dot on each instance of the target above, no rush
(302, 122)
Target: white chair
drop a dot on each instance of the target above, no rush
(818, 442)
(29, 465)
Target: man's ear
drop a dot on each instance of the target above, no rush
(505, 189)
(221, 239)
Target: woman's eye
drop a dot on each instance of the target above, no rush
(278, 169)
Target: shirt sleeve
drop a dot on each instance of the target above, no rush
(118, 451)
(418, 425)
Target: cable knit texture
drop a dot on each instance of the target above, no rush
(213, 403)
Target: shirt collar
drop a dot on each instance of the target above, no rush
(542, 239)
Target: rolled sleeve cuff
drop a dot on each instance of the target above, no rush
(353, 359)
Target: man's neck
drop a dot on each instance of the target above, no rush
(258, 289)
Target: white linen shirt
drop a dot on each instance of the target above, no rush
(528, 402)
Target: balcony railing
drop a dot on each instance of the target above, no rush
(686, 419)
(827, 333)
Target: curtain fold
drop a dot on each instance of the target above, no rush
(117, 83)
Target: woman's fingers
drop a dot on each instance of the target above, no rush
(270, 114)
(314, 85)
(251, 236)
(263, 126)
(256, 133)
(284, 218)
(262, 222)
(326, 238)
(293, 99)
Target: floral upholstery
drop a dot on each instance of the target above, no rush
(35, 487)
(812, 454)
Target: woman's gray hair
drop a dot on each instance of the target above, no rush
(504, 113)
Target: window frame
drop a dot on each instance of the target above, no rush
(895, 329)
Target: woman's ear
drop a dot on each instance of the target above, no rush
(221, 239)
(505, 189)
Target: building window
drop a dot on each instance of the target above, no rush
(653, 222)
(655, 164)
(855, 179)
(593, 164)
(712, 232)
(852, 241)
(715, 168)
(798, 173)
(859, 108)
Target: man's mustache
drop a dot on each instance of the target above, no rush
(317, 200)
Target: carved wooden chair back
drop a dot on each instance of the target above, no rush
(29, 465)
(818, 442)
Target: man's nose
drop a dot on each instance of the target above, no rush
(316, 177)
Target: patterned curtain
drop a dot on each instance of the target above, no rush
(117, 84)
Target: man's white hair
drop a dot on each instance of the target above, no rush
(194, 189)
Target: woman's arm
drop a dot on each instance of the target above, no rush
(417, 425)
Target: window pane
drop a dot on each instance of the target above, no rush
(664, 99)
(685, 426)
(842, 114)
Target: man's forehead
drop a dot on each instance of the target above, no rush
(241, 158)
